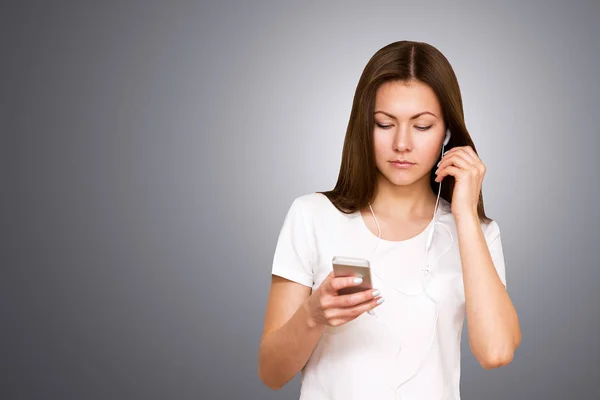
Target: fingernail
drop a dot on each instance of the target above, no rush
(436, 171)
(438, 164)
(357, 280)
(376, 292)
(381, 300)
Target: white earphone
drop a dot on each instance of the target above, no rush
(430, 238)
(447, 138)
(425, 269)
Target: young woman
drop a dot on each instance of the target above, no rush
(434, 254)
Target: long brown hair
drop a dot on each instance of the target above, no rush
(399, 61)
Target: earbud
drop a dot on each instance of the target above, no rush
(447, 137)
(430, 237)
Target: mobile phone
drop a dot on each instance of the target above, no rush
(353, 266)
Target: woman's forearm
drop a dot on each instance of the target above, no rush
(494, 331)
(284, 352)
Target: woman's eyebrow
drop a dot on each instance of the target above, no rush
(413, 117)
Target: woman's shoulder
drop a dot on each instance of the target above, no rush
(317, 206)
(314, 203)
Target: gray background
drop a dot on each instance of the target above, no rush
(150, 151)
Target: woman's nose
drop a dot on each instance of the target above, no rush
(402, 141)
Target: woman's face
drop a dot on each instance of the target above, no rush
(400, 133)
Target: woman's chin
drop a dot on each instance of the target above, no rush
(401, 180)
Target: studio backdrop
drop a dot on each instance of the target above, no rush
(150, 151)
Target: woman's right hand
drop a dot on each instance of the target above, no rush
(327, 307)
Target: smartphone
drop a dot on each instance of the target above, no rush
(353, 266)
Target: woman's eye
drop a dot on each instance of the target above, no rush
(421, 128)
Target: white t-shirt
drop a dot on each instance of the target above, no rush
(368, 357)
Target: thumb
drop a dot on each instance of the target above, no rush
(327, 281)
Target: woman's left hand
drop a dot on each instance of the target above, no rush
(468, 171)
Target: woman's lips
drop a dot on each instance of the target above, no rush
(402, 165)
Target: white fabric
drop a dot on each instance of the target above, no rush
(361, 359)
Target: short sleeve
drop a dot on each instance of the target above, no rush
(494, 242)
(294, 253)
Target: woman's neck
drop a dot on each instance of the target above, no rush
(408, 202)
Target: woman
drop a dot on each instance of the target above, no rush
(434, 254)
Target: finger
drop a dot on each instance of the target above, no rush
(450, 170)
(350, 300)
(459, 151)
(447, 155)
(468, 151)
(474, 166)
(478, 163)
(458, 148)
(466, 154)
(452, 150)
(458, 160)
(353, 312)
(469, 155)
(338, 283)
(471, 151)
